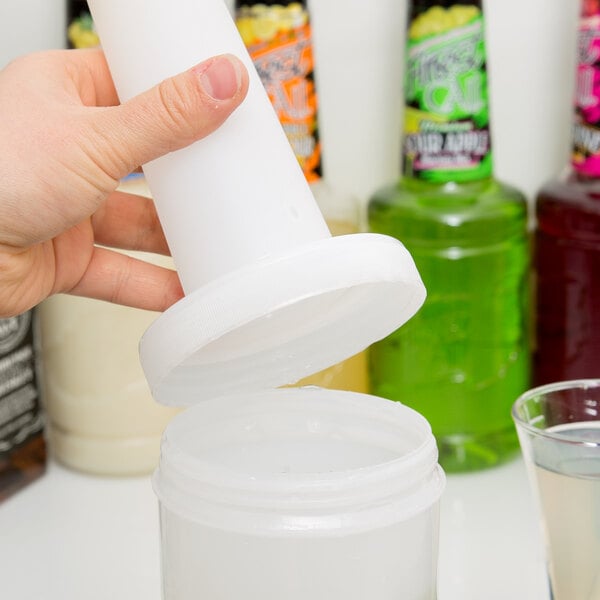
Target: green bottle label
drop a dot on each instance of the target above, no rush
(447, 136)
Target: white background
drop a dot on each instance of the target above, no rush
(28, 25)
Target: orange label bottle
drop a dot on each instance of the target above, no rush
(278, 36)
(279, 40)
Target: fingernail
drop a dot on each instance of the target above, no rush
(220, 77)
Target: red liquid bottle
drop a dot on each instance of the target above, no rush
(567, 237)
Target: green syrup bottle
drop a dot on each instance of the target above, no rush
(464, 358)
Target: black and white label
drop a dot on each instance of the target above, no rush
(20, 416)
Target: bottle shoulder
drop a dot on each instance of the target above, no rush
(472, 199)
(572, 190)
(483, 213)
(569, 207)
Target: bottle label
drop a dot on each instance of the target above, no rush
(446, 128)
(585, 157)
(20, 415)
(81, 32)
(279, 40)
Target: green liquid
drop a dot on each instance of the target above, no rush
(464, 358)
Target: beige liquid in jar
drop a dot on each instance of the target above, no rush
(101, 416)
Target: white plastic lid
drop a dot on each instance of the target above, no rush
(278, 321)
(271, 297)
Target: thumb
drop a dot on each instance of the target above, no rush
(172, 115)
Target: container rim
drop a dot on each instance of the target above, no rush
(543, 390)
(386, 491)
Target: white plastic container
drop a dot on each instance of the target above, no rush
(270, 494)
(271, 297)
(299, 494)
(101, 416)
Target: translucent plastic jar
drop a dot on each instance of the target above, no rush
(297, 494)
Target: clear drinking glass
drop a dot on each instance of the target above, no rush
(559, 431)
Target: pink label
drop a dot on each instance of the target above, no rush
(586, 128)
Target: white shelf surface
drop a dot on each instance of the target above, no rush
(72, 537)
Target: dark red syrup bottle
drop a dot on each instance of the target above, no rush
(567, 236)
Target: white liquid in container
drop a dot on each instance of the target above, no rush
(569, 494)
(101, 416)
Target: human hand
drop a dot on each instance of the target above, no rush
(65, 143)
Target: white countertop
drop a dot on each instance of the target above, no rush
(73, 537)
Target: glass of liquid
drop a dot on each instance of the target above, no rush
(559, 431)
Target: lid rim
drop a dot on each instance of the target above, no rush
(364, 286)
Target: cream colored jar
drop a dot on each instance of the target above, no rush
(101, 416)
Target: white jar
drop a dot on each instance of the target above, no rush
(101, 416)
(296, 494)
